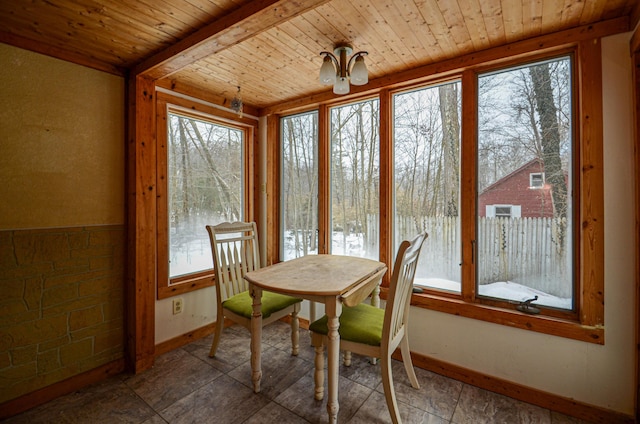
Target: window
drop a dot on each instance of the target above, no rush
(525, 120)
(204, 188)
(201, 181)
(299, 223)
(460, 159)
(536, 180)
(426, 150)
(355, 202)
(517, 121)
(351, 179)
(502, 211)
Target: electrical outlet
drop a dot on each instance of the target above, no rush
(177, 306)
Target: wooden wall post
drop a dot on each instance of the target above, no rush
(141, 230)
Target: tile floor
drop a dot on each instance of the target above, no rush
(186, 386)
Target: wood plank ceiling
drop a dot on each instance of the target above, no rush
(278, 61)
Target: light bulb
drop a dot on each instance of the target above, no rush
(327, 72)
(341, 86)
(359, 74)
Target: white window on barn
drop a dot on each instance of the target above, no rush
(536, 180)
(503, 211)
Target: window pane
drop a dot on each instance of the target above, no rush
(426, 137)
(299, 185)
(524, 153)
(205, 183)
(355, 152)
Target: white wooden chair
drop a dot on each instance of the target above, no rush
(234, 246)
(375, 332)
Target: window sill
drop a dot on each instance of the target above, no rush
(539, 323)
(185, 285)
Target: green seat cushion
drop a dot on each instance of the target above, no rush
(361, 324)
(242, 304)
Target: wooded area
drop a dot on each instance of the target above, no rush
(205, 187)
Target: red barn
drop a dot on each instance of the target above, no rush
(522, 194)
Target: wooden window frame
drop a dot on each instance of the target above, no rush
(587, 322)
(576, 147)
(166, 103)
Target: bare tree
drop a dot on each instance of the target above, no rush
(300, 183)
(550, 132)
(418, 151)
(355, 152)
(427, 150)
(228, 198)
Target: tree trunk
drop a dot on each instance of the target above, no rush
(547, 111)
(450, 146)
(184, 162)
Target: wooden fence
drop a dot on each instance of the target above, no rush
(534, 252)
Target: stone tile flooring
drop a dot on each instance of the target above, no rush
(186, 386)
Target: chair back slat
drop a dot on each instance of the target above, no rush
(400, 288)
(222, 278)
(235, 252)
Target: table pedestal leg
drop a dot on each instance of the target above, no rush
(256, 337)
(333, 311)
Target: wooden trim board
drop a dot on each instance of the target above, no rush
(520, 392)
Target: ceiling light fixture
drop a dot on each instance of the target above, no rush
(338, 71)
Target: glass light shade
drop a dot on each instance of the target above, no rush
(341, 86)
(327, 72)
(359, 73)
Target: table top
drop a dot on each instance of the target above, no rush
(316, 275)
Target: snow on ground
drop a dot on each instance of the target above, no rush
(196, 255)
(500, 290)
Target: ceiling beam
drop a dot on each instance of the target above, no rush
(247, 21)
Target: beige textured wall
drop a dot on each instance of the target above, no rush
(62, 221)
(61, 143)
